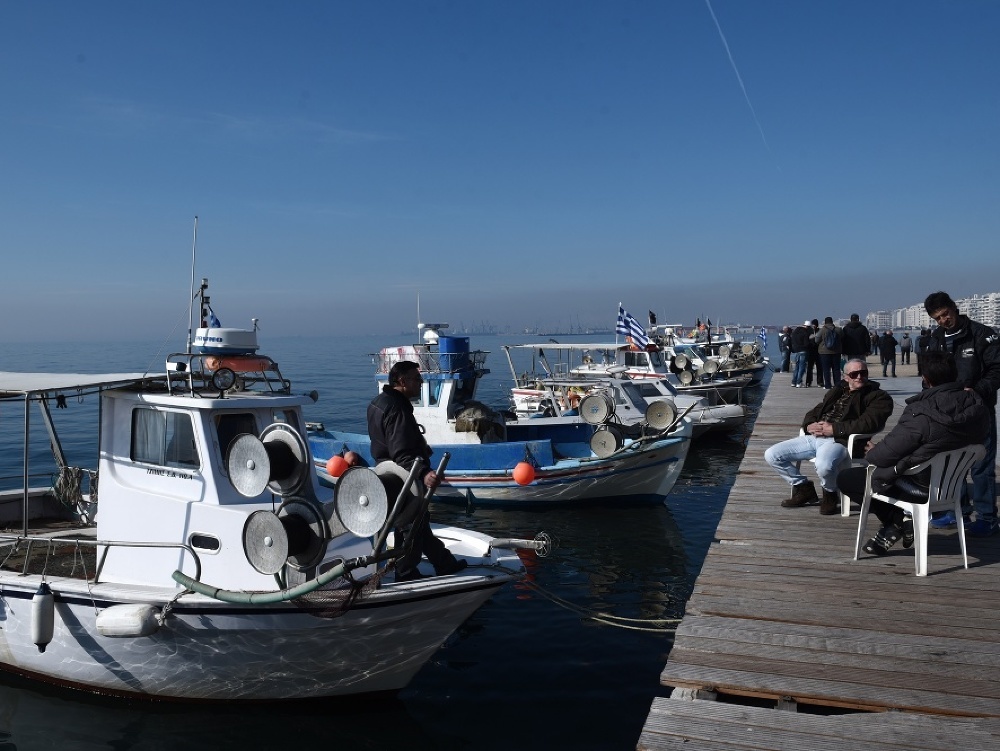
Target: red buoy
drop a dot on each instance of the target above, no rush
(336, 465)
(524, 473)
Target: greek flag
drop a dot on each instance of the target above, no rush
(213, 322)
(763, 338)
(628, 326)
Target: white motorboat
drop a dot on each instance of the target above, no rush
(212, 564)
(535, 394)
(518, 462)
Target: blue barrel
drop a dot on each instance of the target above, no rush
(454, 352)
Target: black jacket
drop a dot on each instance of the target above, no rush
(867, 411)
(887, 346)
(800, 338)
(937, 419)
(394, 432)
(976, 350)
(857, 340)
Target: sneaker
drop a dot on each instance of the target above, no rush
(945, 521)
(983, 528)
(452, 567)
(908, 533)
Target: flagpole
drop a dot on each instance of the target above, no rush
(194, 249)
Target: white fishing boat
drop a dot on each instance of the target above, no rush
(518, 462)
(561, 387)
(212, 564)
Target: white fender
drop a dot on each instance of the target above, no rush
(128, 621)
(43, 609)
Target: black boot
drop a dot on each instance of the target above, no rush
(830, 504)
(802, 494)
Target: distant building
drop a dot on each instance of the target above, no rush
(983, 308)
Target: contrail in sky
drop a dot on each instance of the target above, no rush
(739, 78)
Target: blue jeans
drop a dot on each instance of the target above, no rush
(984, 479)
(800, 367)
(831, 457)
(886, 364)
(829, 366)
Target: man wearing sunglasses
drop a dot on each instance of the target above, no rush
(855, 405)
(976, 349)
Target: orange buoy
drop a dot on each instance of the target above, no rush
(524, 473)
(336, 465)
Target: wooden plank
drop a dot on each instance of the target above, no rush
(705, 725)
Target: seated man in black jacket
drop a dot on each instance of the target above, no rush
(942, 417)
(855, 405)
(396, 438)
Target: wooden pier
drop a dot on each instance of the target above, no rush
(789, 643)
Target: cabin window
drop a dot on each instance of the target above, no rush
(635, 359)
(465, 389)
(229, 426)
(164, 438)
(656, 358)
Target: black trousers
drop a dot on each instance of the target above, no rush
(418, 540)
(851, 482)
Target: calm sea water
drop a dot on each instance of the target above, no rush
(530, 668)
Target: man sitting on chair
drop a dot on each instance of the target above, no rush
(942, 417)
(855, 405)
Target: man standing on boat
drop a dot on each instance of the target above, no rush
(976, 349)
(855, 405)
(396, 438)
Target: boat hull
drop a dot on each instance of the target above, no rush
(209, 650)
(644, 475)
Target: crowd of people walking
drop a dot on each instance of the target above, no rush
(958, 360)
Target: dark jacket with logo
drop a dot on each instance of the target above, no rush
(976, 350)
(937, 419)
(868, 410)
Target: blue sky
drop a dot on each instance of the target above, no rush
(519, 163)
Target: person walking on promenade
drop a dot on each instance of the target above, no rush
(887, 351)
(800, 352)
(923, 342)
(397, 439)
(976, 349)
(855, 405)
(905, 345)
(829, 346)
(785, 348)
(812, 361)
(942, 417)
(857, 340)
(874, 343)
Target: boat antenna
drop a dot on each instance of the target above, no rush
(418, 315)
(194, 251)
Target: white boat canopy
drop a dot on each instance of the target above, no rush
(21, 384)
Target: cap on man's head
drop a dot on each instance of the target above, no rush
(828, 319)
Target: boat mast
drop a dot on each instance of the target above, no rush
(194, 249)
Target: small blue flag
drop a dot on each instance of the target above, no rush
(763, 338)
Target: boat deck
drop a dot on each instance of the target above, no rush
(864, 653)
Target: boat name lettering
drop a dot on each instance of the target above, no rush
(168, 473)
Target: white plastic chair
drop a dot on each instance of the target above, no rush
(948, 470)
(854, 439)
